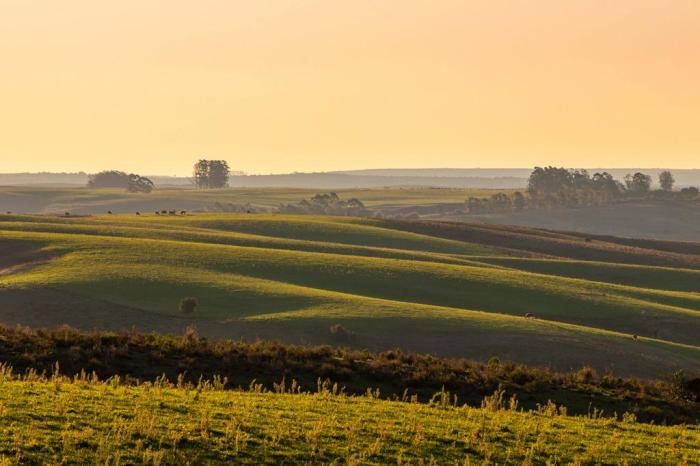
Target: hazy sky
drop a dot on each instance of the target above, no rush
(284, 85)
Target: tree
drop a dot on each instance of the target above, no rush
(638, 183)
(690, 192)
(666, 180)
(580, 179)
(606, 183)
(218, 173)
(109, 179)
(139, 184)
(201, 174)
(116, 179)
(188, 305)
(501, 202)
(549, 180)
(210, 174)
(327, 204)
(519, 201)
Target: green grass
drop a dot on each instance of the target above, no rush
(291, 277)
(59, 421)
(98, 201)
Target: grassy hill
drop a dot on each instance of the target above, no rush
(425, 287)
(83, 421)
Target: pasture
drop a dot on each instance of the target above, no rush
(80, 201)
(83, 420)
(419, 287)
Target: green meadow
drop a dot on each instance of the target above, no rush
(61, 420)
(291, 278)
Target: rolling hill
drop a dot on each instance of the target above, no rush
(448, 289)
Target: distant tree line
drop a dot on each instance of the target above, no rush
(327, 204)
(551, 187)
(116, 179)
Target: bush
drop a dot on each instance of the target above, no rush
(327, 204)
(188, 305)
(341, 334)
(684, 387)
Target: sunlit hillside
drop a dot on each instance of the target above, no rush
(84, 421)
(293, 278)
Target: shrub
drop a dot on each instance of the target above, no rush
(188, 305)
(586, 375)
(190, 336)
(341, 334)
(685, 388)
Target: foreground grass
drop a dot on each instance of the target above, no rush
(80, 421)
(190, 358)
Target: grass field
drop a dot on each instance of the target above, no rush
(291, 278)
(83, 421)
(98, 201)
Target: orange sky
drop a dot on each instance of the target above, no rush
(285, 85)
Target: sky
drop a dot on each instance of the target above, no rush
(277, 86)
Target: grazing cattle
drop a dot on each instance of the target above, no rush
(67, 214)
(635, 337)
(9, 213)
(163, 212)
(172, 212)
(529, 315)
(157, 212)
(109, 212)
(138, 213)
(183, 212)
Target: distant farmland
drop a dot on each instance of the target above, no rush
(38, 200)
(675, 220)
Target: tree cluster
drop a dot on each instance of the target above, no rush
(554, 181)
(211, 174)
(327, 204)
(117, 179)
(497, 203)
(550, 187)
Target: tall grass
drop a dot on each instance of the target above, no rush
(79, 420)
